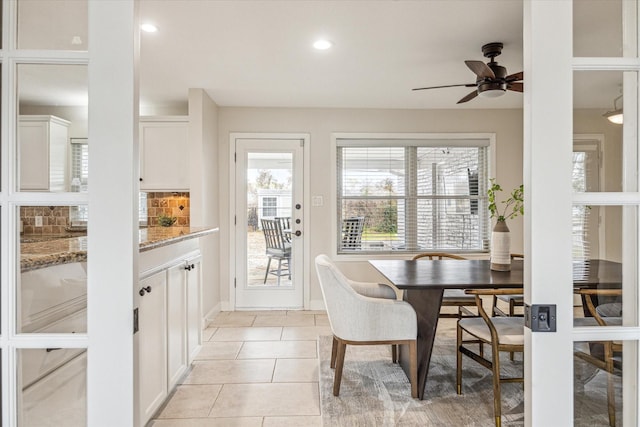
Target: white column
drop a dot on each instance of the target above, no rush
(113, 207)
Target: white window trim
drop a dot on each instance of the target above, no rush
(372, 137)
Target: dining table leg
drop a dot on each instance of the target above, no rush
(426, 303)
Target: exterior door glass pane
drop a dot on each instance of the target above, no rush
(52, 108)
(53, 387)
(59, 25)
(52, 292)
(269, 208)
(597, 28)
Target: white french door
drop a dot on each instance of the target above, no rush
(560, 99)
(269, 223)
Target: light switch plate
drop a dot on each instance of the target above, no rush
(317, 201)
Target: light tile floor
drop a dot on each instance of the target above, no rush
(254, 369)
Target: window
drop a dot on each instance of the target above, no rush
(79, 215)
(414, 195)
(269, 206)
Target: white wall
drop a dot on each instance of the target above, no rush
(321, 123)
(204, 200)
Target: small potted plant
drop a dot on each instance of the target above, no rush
(509, 208)
(166, 221)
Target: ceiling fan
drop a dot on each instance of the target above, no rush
(492, 80)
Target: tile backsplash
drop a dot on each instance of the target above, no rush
(170, 204)
(55, 219)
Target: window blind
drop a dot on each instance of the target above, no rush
(413, 197)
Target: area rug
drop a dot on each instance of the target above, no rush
(376, 392)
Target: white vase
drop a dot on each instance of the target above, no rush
(501, 247)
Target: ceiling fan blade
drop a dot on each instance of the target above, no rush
(516, 87)
(469, 97)
(480, 69)
(514, 77)
(438, 87)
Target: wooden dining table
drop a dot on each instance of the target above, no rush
(424, 282)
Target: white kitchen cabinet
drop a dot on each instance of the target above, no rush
(164, 154)
(43, 143)
(151, 346)
(169, 323)
(194, 310)
(176, 323)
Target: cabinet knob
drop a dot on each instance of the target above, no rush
(189, 267)
(140, 179)
(144, 290)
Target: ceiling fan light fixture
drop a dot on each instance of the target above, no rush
(492, 93)
(615, 116)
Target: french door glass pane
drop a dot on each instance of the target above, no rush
(52, 108)
(598, 376)
(60, 25)
(52, 290)
(269, 209)
(52, 387)
(597, 28)
(604, 264)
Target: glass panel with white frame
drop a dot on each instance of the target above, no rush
(597, 28)
(52, 109)
(599, 395)
(59, 25)
(52, 291)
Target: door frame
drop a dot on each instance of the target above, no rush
(306, 214)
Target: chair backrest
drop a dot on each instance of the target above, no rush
(436, 255)
(517, 256)
(285, 222)
(352, 232)
(273, 235)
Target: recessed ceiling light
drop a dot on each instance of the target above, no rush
(322, 44)
(148, 28)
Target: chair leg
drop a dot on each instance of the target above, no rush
(279, 268)
(413, 368)
(334, 351)
(611, 397)
(512, 312)
(494, 304)
(497, 406)
(342, 348)
(458, 360)
(394, 353)
(267, 272)
(289, 267)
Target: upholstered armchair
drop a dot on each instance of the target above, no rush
(365, 314)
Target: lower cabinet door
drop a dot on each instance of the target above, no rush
(194, 310)
(151, 345)
(176, 323)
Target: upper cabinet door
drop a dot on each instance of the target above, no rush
(164, 154)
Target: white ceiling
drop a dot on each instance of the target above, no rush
(259, 53)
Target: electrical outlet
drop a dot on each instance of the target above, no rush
(38, 221)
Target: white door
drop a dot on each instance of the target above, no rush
(269, 223)
(561, 387)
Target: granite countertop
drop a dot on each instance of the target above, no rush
(45, 251)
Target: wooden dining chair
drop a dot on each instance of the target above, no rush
(276, 247)
(512, 301)
(503, 334)
(451, 297)
(605, 355)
